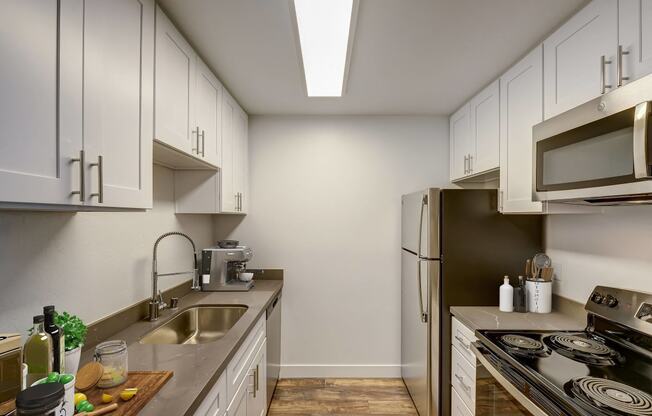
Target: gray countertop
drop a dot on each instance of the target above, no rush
(489, 317)
(196, 367)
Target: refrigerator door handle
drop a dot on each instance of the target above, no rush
(424, 314)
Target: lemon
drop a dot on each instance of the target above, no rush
(80, 397)
(106, 398)
(127, 394)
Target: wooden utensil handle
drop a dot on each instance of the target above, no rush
(101, 411)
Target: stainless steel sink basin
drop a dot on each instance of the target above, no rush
(196, 325)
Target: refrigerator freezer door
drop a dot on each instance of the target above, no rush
(420, 223)
(415, 333)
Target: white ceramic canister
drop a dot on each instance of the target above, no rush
(539, 296)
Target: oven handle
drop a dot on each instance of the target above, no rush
(641, 116)
(511, 389)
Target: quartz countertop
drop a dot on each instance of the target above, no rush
(489, 317)
(196, 367)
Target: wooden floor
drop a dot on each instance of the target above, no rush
(341, 396)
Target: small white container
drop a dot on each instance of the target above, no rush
(506, 296)
(246, 276)
(68, 406)
(539, 296)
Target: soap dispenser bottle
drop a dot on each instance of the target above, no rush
(506, 296)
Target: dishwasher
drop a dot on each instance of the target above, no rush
(273, 346)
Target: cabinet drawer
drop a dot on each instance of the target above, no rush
(463, 378)
(462, 338)
(458, 408)
(215, 402)
(236, 370)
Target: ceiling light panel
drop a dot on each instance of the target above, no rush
(324, 27)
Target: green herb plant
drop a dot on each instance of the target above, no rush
(74, 330)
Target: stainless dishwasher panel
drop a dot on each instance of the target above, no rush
(273, 346)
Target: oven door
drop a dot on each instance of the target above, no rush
(496, 395)
(599, 152)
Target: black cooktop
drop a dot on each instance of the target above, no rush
(586, 372)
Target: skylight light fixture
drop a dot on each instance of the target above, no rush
(324, 29)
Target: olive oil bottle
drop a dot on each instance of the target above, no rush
(37, 353)
(58, 344)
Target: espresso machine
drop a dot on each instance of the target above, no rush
(221, 269)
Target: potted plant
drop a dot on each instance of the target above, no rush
(74, 332)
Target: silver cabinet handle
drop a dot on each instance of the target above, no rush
(82, 182)
(100, 179)
(603, 74)
(256, 380)
(461, 341)
(466, 159)
(470, 164)
(203, 133)
(461, 380)
(621, 53)
(253, 387)
(195, 132)
(236, 200)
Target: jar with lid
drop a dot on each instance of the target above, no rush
(41, 400)
(113, 357)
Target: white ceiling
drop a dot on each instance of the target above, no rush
(409, 56)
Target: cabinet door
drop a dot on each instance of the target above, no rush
(485, 123)
(635, 37)
(118, 127)
(460, 142)
(238, 406)
(240, 127)
(175, 82)
(257, 397)
(214, 404)
(209, 114)
(227, 191)
(521, 107)
(572, 57)
(40, 133)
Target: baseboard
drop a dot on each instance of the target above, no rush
(340, 371)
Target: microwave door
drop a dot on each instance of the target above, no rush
(641, 151)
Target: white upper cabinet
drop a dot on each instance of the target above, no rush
(76, 120)
(521, 107)
(485, 125)
(240, 149)
(118, 102)
(36, 154)
(228, 198)
(175, 79)
(208, 110)
(461, 142)
(580, 58)
(635, 38)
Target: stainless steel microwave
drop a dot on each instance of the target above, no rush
(598, 153)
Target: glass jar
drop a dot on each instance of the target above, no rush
(41, 400)
(113, 357)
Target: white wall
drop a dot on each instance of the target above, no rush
(325, 206)
(90, 264)
(612, 249)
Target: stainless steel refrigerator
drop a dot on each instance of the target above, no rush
(456, 248)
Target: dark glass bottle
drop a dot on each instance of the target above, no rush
(519, 296)
(58, 347)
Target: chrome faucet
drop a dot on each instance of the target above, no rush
(156, 304)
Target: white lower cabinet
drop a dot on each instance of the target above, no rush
(241, 389)
(463, 370)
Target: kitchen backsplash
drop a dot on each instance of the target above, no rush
(91, 264)
(613, 249)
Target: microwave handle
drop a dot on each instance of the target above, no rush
(641, 163)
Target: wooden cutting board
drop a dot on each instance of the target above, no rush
(148, 384)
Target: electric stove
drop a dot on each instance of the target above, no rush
(603, 370)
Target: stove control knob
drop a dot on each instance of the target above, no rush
(596, 297)
(610, 301)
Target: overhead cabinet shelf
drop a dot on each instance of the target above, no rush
(605, 45)
(201, 131)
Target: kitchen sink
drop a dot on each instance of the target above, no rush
(196, 325)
